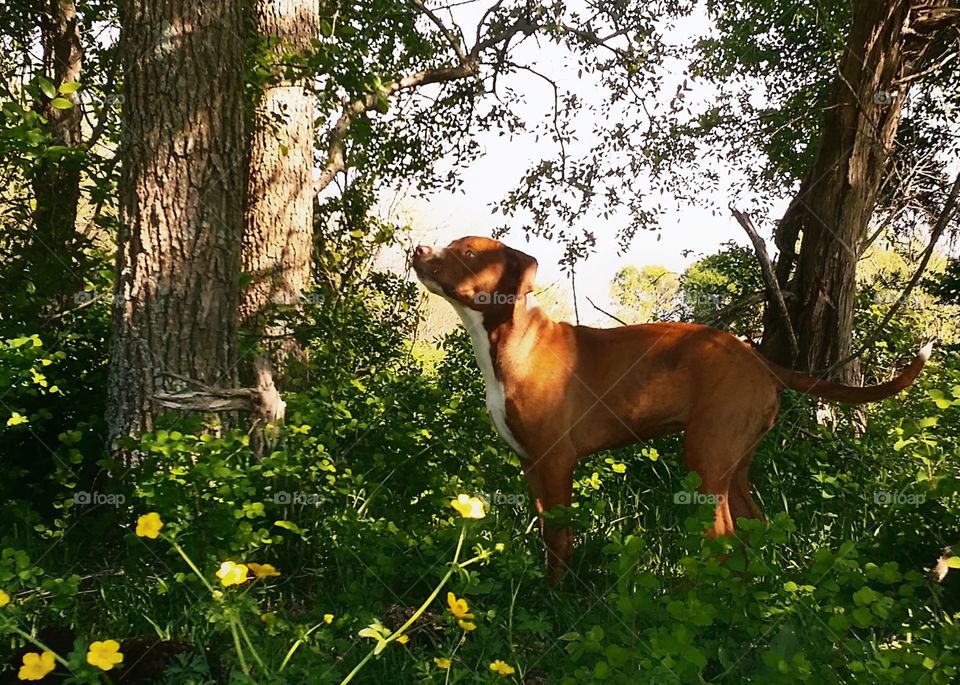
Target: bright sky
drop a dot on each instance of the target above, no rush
(444, 216)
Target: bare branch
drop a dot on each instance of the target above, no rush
(603, 311)
(769, 277)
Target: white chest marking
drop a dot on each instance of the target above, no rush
(473, 321)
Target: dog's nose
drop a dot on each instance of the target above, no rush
(422, 252)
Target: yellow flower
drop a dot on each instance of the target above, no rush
(36, 666)
(328, 618)
(468, 507)
(262, 571)
(467, 626)
(232, 574)
(442, 663)
(149, 525)
(403, 639)
(458, 607)
(104, 655)
(4, 598)
(502, 668)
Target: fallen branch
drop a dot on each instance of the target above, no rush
(263, 403)
(769, 278)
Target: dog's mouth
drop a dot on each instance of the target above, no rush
(426, 274)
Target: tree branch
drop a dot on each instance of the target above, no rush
(468, 66)
(603, 311)
(454, 42)
(769, 278)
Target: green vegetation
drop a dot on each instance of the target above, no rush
(352, 509)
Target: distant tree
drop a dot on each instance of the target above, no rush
(645, 294)
(725, 290)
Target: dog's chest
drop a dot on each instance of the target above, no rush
(496, 403)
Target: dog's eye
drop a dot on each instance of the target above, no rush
(471, 254)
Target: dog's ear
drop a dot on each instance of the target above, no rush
(522, 271)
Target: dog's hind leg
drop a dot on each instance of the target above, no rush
(722, 460)
(742, 504)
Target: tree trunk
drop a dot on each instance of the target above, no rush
(279, 215)
(831, 212)
(181, 206)
(51, 252)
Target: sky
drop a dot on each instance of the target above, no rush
(444, 216)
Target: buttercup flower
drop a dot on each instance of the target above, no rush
(502, 668)
(467, 626)
(458, 607)
(468, 507)
(4, 598)
(36, 666)
(262, 571)
(328, 618)
(441, 663)
(149, 525)
(104, 655)
(232, 574)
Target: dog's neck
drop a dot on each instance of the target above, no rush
(501, 337)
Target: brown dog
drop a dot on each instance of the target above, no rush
(558, 392)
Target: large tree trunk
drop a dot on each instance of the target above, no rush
(831, 212)
(56, 181)
(279, 228)
(181, 205)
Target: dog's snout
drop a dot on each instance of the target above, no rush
(422, 251)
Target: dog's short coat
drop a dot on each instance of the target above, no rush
(558, 392)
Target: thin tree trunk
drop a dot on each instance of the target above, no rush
(56, 182)
(279, 226)
(181, 205)
(831, 212)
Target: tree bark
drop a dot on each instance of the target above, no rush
(56, 182)
(831, 212)
(181, 206)
(276, 254)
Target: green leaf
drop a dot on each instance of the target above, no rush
(61, 103)
(69, 87)
(953, 562)
(46, 86)
(17, 419)
(289, 525)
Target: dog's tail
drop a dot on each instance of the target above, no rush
(846, 393)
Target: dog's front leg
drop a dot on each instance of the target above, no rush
(551, 484)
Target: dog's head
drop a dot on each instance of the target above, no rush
(478, 273)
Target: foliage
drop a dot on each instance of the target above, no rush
(645, 294)
(718, 289)
(352, 507)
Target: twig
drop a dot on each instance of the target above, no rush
(603, 311)
(769, 277)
